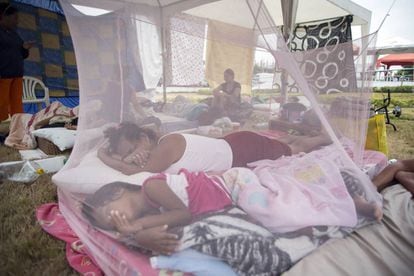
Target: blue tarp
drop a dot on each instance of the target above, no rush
(67, 101)
(51, 5)
(62, 79)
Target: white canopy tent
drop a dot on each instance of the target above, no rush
(282, 12)
(229, 11)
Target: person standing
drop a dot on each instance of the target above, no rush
(13, 50)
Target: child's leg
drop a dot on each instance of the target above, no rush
(288, 139)
(356, 190)
(308, 143)
(406, 179)
(367, 209)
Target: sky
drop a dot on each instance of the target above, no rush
(400, 22)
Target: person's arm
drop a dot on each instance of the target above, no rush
(217, 89)
(175, 214)
(157, 239)
(26, 47)
(166, 153)
(116, 164)
(160, 159)
(384, 178)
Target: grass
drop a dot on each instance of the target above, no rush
(26, 250)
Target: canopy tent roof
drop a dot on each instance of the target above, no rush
(307, 11)
(229, 11)
(397, 59)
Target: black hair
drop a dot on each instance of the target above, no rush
(7, 9)
(229, 71)
(130, 131)
(104, 195)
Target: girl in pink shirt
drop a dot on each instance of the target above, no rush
(164, 200)
(144, 213)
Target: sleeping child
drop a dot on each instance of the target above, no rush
(144, 213)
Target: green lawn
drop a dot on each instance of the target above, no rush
(26, 250)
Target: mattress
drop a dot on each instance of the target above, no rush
(172, 123)
(381, 249)
(116, 259)
(112, 257)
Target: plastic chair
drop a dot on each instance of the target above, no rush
(29, 92)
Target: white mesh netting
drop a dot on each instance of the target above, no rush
(305, 184)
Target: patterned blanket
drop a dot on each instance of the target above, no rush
(251, 249)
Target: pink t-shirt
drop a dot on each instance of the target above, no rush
(198, 191)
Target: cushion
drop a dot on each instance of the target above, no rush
(63, 138)
(267, 107)
(91, 174)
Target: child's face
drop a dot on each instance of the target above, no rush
(129, 204)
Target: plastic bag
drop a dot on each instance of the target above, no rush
(377, 134)
(20, 171)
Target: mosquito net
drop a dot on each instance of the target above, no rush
(159, 89)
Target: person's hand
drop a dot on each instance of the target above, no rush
(70, 126)
(122, 225)
(158, 240)
(28, 44)
(139, 157)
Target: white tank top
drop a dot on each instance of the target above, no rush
(203, 154)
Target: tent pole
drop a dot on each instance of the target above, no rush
(289, 9)
(164, 53)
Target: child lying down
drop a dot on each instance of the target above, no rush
(166, 201)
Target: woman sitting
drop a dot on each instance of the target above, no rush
(227, 95)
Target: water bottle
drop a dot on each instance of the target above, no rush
(20, 171)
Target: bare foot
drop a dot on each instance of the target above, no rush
(368, 209)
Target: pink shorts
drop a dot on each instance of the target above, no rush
(249, 147)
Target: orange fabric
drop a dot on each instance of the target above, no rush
(11, 93)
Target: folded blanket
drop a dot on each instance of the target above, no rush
(21, 125)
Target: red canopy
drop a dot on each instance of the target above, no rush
(397, 59)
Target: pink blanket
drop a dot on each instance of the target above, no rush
(53, 222)
(110, 256)
(292, 193)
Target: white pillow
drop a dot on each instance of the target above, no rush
(63, 138)
(267, 107)
(91, 174)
